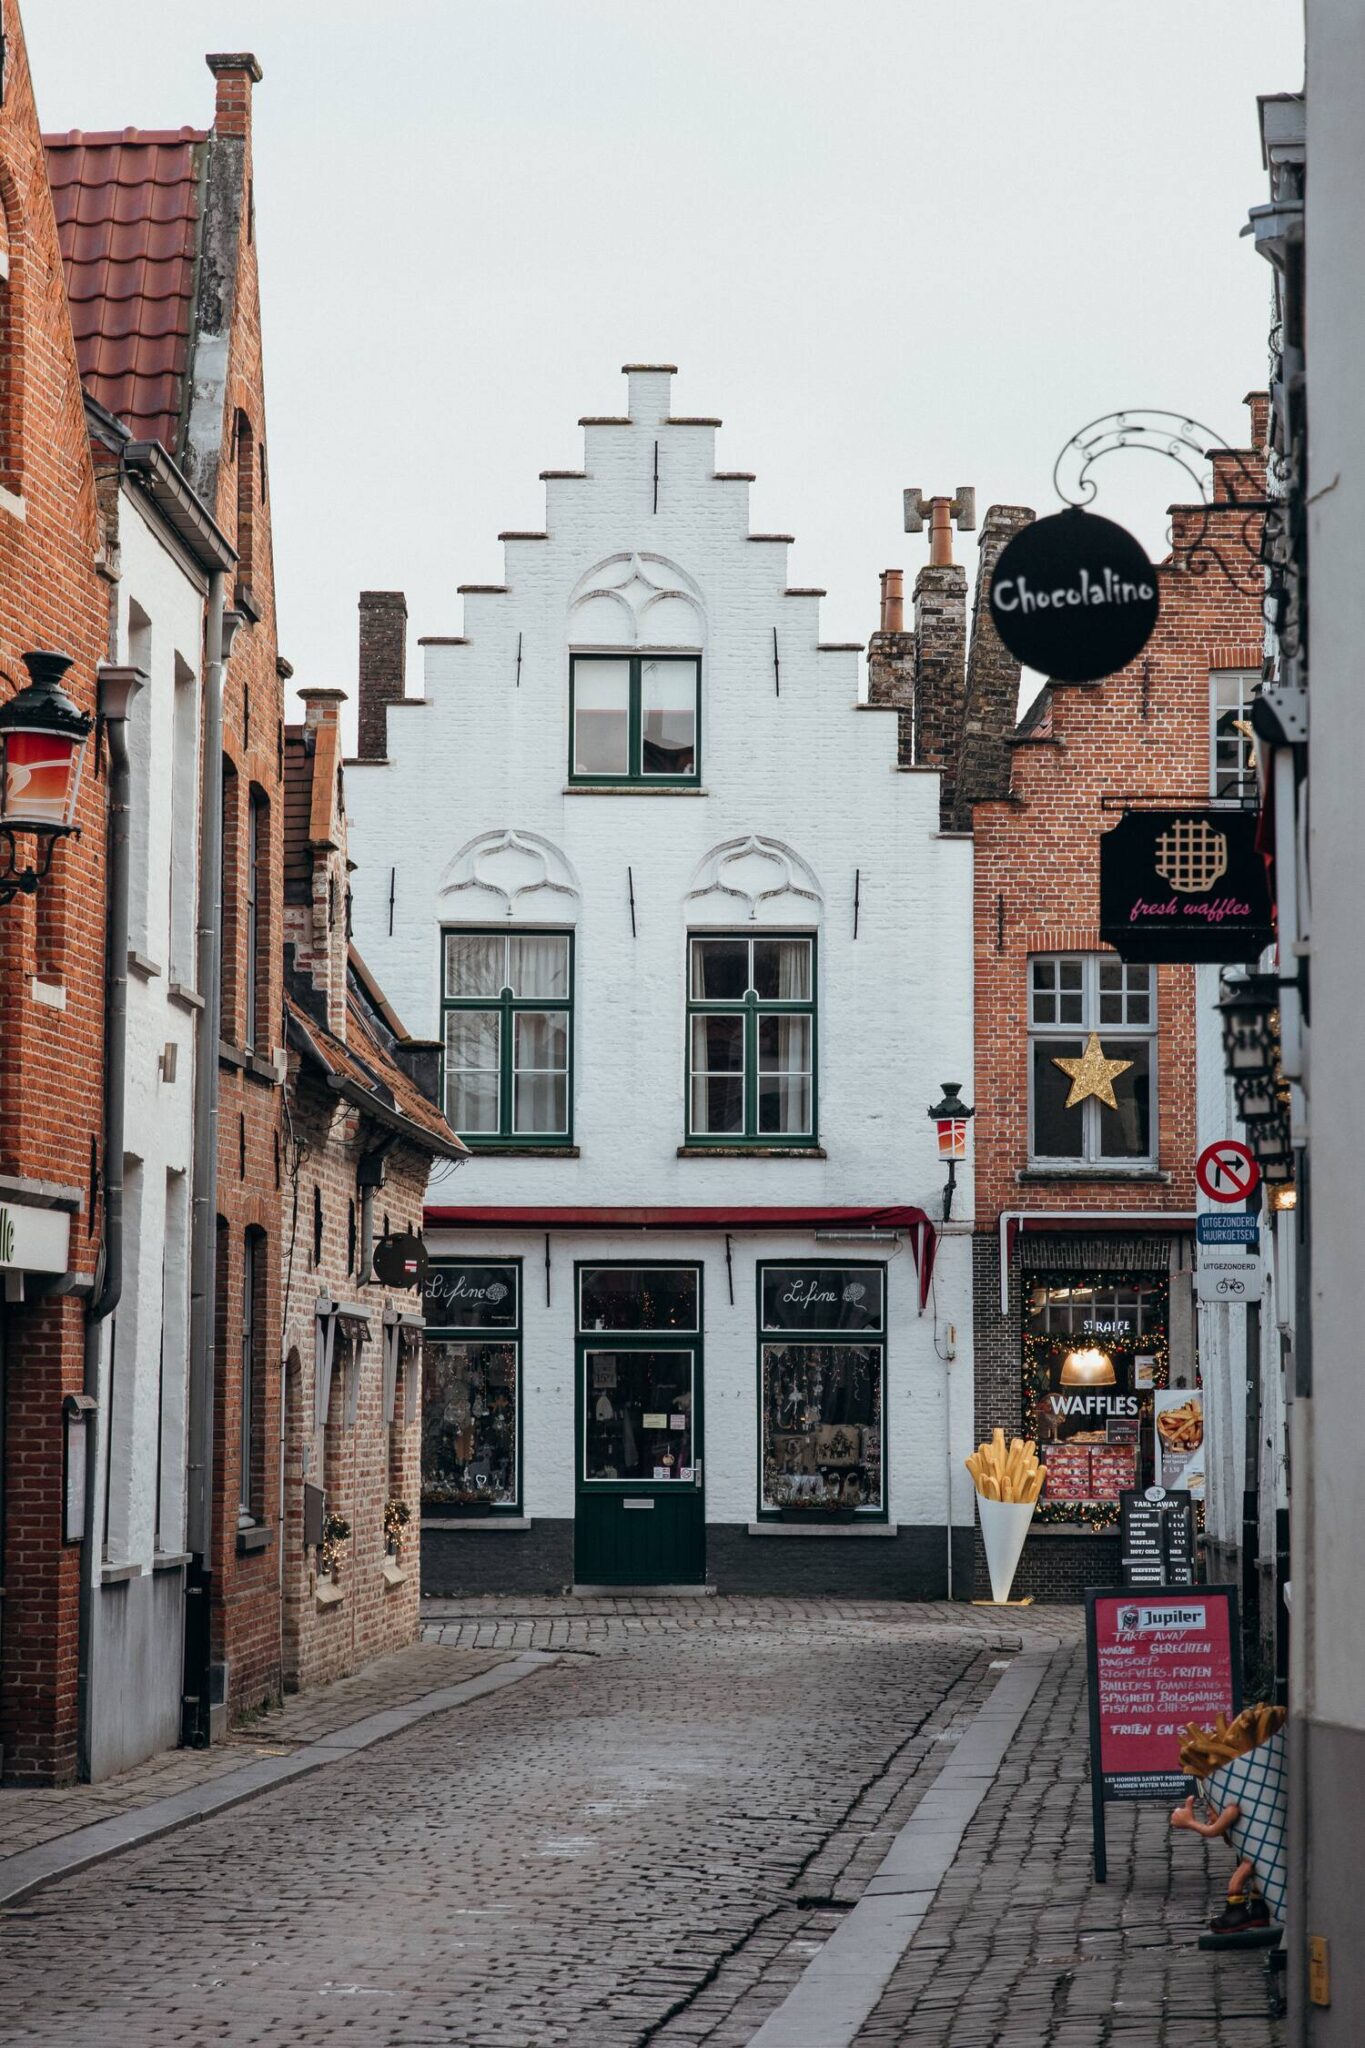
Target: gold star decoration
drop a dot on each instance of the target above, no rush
(1093, 1074)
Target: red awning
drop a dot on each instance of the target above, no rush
(922, 1234)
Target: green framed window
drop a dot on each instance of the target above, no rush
(471, 1387)
(634, 718)
(821, 1389)
(751, 1075)
(507, 1033)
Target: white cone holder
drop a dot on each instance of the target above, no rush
(1004, 1525)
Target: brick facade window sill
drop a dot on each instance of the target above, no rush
(188, 998)
(628, 789)
(328, 1594)
(170, 1560)
(1069, 1531)
(394, 1574)
(119, 1574)
(140, 964)
(824, 1529)
(524, 1151)
(484, 1522)
(1033, 1176)
(258, 1537)
(752, 1152)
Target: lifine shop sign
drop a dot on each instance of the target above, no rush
(33, 1240)
(1157, 1657)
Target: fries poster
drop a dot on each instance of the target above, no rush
(1180, 1438)
(1158, 1659)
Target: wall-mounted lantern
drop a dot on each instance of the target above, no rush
(951, 1117)
(42, 744)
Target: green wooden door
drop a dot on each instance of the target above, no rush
(640, 1517)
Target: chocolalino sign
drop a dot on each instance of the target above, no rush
(1184, 885)
(1074, 596)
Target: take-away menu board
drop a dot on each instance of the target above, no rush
(1156, 1537)
(1156, 1658)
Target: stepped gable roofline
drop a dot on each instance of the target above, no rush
(128, 205)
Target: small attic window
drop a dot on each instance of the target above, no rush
(244, 442)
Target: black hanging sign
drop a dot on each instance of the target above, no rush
(1184, 885)
(400, 1260)
(1074, 596)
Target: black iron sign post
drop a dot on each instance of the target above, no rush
(1074, 596)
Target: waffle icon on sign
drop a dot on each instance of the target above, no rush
(1191, 856)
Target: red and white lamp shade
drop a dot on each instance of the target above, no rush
(951, 1117)
(42, 747)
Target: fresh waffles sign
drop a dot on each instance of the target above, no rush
(1184, 885)
(1075, 597)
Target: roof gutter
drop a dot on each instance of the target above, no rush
(394, 1120)
(1175, 1221)
(179, 505)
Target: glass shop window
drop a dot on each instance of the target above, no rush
(1095, 1380)
(471, 1388)
(822, 1372)
(639, 1393)
(638, 1298)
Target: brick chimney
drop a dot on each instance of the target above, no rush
(891, 664)
(236, 71)
(990, 712)
(315, 831)
(383, 666)
(940, 660)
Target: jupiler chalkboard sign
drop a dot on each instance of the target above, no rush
(1184, 885)
(1074, 596)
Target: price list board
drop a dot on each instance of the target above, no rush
(1156, 1530)
(1156, 1658)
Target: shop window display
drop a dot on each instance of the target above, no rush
(821, 1396)
(637, 1415)
(471, 1388)
(1094, 1356)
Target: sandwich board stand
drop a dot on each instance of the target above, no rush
(1156, 1658)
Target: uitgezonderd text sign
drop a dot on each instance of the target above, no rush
(1184, 885)
(1074, 596)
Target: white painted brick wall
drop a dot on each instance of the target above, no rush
(158, 1112)
(806, 769)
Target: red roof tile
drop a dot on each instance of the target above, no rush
(127, 210)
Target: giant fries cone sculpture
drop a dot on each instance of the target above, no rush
(1008, 1482)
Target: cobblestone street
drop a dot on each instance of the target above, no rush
(648, 1840)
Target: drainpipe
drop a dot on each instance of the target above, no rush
(370, 1173)
(117, 689)
(219, 628)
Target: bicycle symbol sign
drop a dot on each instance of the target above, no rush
(1226, 1171)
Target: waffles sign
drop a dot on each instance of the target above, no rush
(1184, 885)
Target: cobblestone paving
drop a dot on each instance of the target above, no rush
(1022, 1949)
(624, 1848)
(28, 1817)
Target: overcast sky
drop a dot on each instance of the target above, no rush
(888, 242)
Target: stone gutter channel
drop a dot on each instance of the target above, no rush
(844, 1982)
(49, 1862)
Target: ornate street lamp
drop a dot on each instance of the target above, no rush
(1250, 1010)
(42, 744)
(951, 1117)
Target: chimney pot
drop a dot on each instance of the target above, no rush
(893, 601)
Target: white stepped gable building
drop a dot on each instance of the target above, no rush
(697, 956)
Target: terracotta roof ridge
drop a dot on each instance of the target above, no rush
(107, 138)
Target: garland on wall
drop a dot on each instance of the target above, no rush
(1099, 1516)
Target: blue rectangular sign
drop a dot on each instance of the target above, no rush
(1234, 1229)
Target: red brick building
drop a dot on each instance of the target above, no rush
(159, 242)
(1085, 1215)
(52, 965)
(363, 1132)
